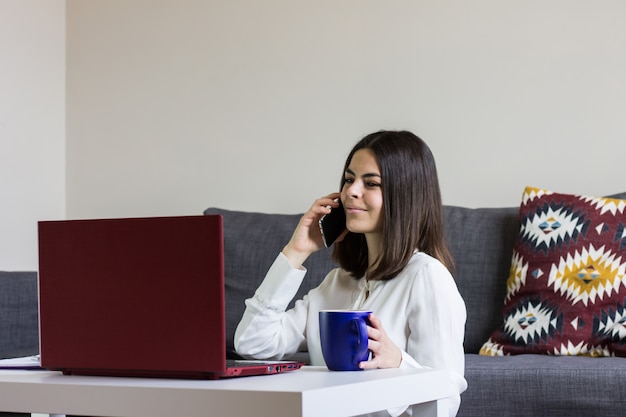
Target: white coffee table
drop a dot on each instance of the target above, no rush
(309, 392)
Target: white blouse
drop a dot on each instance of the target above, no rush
(420, 309)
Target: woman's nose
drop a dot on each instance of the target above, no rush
(354, 190)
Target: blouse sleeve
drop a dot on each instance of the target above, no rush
(267, 330)
(437, 327)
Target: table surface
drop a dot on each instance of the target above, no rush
(310, 391)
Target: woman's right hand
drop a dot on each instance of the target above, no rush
(307, 238)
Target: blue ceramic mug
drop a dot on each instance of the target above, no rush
(343, 334)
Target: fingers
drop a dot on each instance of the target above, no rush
(320, 207)
(327, 202)
(385, 353)
(307, 237)
(333, 196)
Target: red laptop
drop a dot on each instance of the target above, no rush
(137, 297)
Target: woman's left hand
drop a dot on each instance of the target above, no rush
(385, 353)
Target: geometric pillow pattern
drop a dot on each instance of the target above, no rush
(566, 290)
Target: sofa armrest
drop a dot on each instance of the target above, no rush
(19, 314)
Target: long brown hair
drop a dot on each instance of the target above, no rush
(412, 207)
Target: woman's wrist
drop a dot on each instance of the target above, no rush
(296, 258)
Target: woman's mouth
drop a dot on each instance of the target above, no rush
(354, 210)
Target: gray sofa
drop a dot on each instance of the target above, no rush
(481, 241)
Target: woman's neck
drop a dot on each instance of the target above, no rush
(374, 249)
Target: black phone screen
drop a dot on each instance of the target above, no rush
(332, 225)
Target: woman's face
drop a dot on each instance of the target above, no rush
(362, 194)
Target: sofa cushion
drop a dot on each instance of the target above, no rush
(481, 241)
(566, 291)
(251, 243)
(19, 316)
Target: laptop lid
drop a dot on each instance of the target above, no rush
(135, 297)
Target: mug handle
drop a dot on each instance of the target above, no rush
(361, 330)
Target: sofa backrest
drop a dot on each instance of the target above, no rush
(481, 242)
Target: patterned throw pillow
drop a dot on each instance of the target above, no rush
(566, 292)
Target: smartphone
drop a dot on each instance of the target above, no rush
(332, 225)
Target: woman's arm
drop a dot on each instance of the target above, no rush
(437, 327)
(267, 330)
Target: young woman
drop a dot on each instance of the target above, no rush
(393, 261)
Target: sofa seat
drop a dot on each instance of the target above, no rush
(542, 385)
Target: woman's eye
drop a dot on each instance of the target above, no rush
(348, 180)
(373, 184)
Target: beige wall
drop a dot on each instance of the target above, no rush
(173, 106)
(32, 125)
(176, 106)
